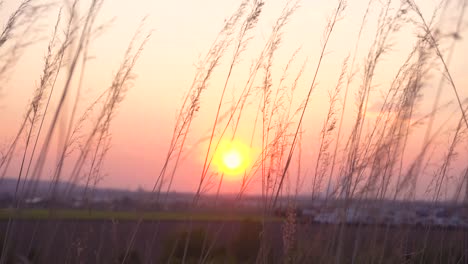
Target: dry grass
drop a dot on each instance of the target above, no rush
(372, 159)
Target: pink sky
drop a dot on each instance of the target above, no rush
(183, 32)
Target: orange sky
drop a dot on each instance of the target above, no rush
(183, 32)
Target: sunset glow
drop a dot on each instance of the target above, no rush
(232, 158)
(176, 85)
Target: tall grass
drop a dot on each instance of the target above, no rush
(364, 157)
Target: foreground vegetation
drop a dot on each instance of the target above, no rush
(402, 141)
(61, 214)
(104, 241)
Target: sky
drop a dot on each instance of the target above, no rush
(182, 32)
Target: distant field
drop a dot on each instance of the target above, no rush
(45, 214)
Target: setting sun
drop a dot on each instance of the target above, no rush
(232, 158)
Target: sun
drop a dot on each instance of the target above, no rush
(232, 158)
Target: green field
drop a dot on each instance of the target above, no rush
(68, 214)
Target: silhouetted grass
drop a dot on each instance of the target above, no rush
(364, 154)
